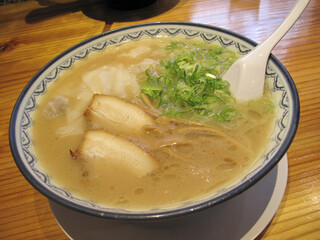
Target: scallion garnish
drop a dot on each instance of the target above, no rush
(189, 82)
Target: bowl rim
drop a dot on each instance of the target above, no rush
(166, 213)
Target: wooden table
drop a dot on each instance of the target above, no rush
(33, 32)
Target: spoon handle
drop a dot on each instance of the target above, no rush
(268, 44)
(247, 75)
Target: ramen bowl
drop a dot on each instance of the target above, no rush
(278, 81)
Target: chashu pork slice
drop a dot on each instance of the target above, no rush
(116, 115)
(100, 149)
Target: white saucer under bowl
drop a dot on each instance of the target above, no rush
(242, 217)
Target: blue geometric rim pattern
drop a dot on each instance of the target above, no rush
(66, 60)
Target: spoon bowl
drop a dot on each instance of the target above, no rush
(247, 75)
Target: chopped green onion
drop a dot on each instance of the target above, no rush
(189, 81)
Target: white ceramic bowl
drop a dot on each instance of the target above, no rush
(277, 79)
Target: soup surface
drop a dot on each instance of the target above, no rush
(149, 124)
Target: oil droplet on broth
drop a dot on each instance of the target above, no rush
(122, 201)
(169, 176)
(139, 191)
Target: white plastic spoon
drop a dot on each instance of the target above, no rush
(247, 74)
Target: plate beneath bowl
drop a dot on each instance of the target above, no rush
(243, 217)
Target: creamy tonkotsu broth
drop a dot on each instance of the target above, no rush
(102, 138)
